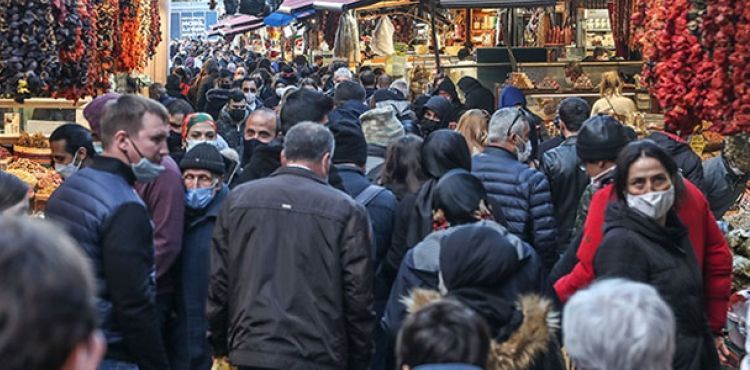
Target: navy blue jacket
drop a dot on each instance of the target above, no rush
(382, 211)
(348, 113)
(100, 209)
(524, 196)
(192, 351)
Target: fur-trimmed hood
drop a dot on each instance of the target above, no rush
(533, 340)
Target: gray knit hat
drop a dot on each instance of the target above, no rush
(381, 127)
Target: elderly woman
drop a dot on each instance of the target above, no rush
(639, 333)
(644, 240)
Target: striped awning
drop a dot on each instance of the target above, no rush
(492, 4)
(296, 6)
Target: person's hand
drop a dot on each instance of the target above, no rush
(725, 356)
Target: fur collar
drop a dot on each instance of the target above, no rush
(529, 341)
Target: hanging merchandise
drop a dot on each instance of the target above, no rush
(347, 38)
(70, 48)
(382, 37)
(697, 57)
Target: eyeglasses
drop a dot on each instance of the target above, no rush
(519, 114)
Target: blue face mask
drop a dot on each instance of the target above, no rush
(199, 198)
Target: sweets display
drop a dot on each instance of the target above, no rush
(520, 80)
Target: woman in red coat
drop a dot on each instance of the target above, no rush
(711, 250)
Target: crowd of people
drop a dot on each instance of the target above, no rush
(303, 216)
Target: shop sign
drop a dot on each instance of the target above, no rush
(192, 26)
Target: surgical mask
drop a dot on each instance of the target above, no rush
(145, 170)
(192, 143)
(654, 205)
(67, 170)
(199, 198)
(98, 148)
(524, 152)
(225, 86)
(237, 114)
(250, 97)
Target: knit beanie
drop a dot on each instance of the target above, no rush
(94, 112)
(203, 157)
(601, 138)
(351, 146)
(381, 127)
(194, 119)
(387, 94)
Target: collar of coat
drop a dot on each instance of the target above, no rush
(299, 171)
(532, 338)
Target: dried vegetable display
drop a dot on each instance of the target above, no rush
(70, 48)
(698, 61)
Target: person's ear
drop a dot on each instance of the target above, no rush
(452, 126)
(563, 127)
(120, 140)
(81, 154)
(87, 355)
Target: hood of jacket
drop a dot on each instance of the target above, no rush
(442, 107)
(673, 144)
(511, 97)
(448, 86)
(619, 215)
(530, 338)
(218, 95)
(348, 112)
(468, 83)
(402, 107)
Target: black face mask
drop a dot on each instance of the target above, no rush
(426, 127)
(249, 148)
(226, 86)
(174, 142)
(237, 114)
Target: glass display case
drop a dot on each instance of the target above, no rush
(37, 115)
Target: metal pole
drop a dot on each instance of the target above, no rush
(434, 35)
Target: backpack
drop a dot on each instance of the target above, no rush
(369, 194)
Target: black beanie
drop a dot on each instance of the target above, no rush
(601, 138)
(203, 157)
(387, 94)
(458, 193)
(351, 146)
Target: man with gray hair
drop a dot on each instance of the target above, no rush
(291, 276)
(520, 192)
(618, 324)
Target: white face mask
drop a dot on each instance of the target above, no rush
(67, 170)
(192, 143)
(250, 98)
(523, 152)
(655, 204)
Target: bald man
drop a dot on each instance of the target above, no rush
(260, 129)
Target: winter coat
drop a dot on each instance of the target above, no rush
(686, 159)
(532, 343)
(421, 265)
(192, 348)
(524, 195)
(722, 186)
(567, 182)
(636, 248)
(291, 276)
(710, 247)
(477, 96)
(348, 113)
(232, 131)
(375, 162)
(381, 211)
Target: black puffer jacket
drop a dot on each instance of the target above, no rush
(637, 248)
(291, 277)
(686, 159)
(567, 182)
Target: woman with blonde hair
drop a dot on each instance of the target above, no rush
(473, 126)
(612, 102)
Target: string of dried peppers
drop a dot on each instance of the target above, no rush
(70, 48)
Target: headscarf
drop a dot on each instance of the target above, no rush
(442, 151)
(94, 112)
(511, 97)
(442, 108)
(476, 261)
(194, 119)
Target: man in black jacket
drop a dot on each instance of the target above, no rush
(291, 275)
(100, 209)
(562, 165)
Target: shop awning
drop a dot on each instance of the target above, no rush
(296, 6)
(491, 4)
(236, 24)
